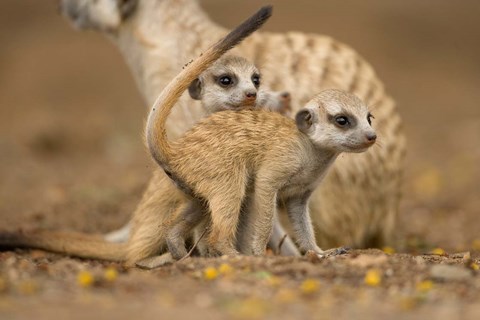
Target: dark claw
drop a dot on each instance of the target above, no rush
(342, 250)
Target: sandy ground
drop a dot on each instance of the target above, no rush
(71, 157)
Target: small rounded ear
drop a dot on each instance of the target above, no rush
(304, 120)
(195, 89)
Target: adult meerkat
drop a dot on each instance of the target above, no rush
(357, 203)
(228, 153)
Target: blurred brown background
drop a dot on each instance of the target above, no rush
(71, 152)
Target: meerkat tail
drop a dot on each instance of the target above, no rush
(70, 243)
(156, 135)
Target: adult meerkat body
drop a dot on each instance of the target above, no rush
(352, 206)
(357, 202)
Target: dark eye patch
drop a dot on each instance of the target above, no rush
(225, 80)
(343, 120)
(256, 80)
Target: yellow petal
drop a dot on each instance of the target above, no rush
(310, 286)
(373, 278)
(388, 250)
(210, 273)
(111, 274)
(85, 279)
(225, 269)
(424, 286)
(438, 251)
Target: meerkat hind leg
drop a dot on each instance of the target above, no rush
(225, 214)
(263, 212)
(187, 220)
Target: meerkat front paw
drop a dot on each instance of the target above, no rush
(285, 103)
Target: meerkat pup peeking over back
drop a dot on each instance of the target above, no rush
(233, 83)
(251, 158)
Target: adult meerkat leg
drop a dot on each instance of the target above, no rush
(298, 213)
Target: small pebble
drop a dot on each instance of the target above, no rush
(373, 278)
(449, 272)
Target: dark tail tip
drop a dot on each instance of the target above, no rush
(246, 28)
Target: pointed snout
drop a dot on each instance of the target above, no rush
(250, 97)
(371, 137)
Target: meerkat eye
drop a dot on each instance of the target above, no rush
(369, 118)
(342, 121)
(256, 80)
(225, 81)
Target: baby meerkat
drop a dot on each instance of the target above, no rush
(233, 83)
(229, 153)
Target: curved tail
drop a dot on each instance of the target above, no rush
(156, 135)
(69, 243)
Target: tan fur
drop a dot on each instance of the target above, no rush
(150, 229)
(70, 243)
(225, 155)
(242, 91)
(357, 203)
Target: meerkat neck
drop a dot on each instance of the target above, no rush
(181, 31)
(322, 157)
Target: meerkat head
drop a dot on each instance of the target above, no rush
(337, 120)
(231, 83)
(105, 15)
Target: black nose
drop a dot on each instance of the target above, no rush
(371, 136)
(285, 95)
(251, 94)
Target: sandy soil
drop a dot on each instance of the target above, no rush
(71, 157)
